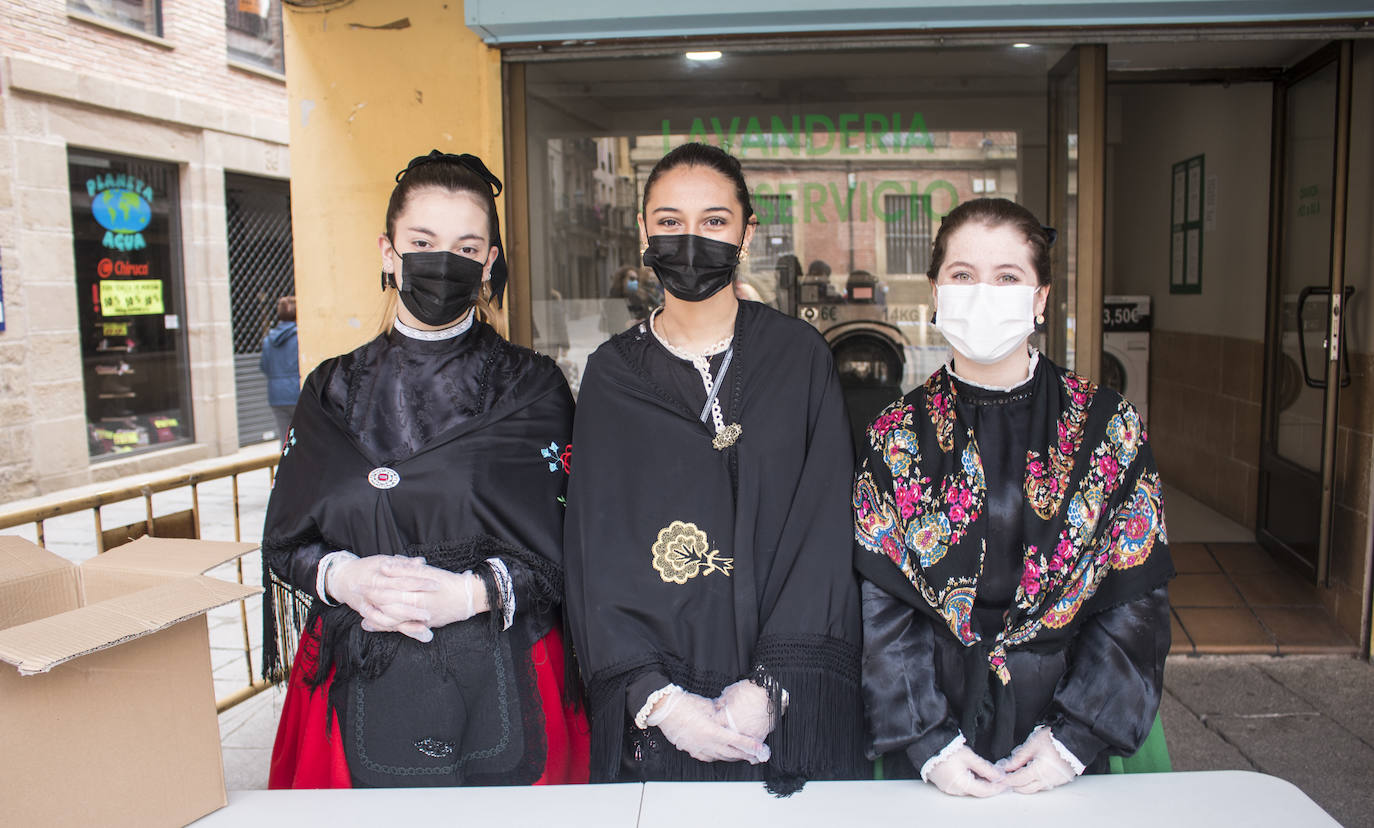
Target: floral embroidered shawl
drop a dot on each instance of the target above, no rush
(1094, 534)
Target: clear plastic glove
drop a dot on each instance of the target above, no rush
(689, 722)
(460, 596)
(385, 590)
(965, 773)
(743, 707)
(1037, 765)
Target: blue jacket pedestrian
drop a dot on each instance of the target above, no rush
(281, 363)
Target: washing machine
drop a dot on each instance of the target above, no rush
(1126, 349)
(869, 350)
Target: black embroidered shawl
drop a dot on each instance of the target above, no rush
(1093, 528)
(463, 709)
(702, 567)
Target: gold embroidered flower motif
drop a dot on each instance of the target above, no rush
(683, 552)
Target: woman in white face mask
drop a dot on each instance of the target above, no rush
(1011, 543)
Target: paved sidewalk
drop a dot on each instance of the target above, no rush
(1306, 719)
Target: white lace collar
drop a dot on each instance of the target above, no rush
(1030, 372)
(434, 336)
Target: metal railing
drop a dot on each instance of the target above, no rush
(145, 488)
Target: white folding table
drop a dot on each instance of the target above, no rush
(1165, 800)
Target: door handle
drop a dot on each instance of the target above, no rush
(1334, 335)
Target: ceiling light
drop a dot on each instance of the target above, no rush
(1020, 45)
(711, 55)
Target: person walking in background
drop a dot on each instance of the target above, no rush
(628, 302)
(1011, 543)
(280, 361)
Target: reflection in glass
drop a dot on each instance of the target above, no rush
(1305, 259)
(852, 160)
(254, 33)
(142, 15)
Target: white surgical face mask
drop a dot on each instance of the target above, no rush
(986, 322)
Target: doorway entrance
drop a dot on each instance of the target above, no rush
(1213, 213)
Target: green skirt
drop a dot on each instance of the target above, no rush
(1153, 756)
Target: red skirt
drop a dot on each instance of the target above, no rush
(307, 755)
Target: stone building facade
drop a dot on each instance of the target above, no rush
(119, 121)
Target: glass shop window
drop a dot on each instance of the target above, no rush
(126, 234)
(908, 233)
(255, 34)
(140, 15)
(852, 159)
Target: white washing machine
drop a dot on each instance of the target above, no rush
(1126, 349)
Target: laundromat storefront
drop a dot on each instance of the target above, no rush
(852, 159)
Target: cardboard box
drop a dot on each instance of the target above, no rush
(110, 719)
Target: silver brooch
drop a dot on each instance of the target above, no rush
(383, 478)
(727, 436)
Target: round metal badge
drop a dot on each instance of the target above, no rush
(383, 478)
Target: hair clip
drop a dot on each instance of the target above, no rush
(471, 162)
(1050, 233)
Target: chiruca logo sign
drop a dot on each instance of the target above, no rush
(108, 267)
(123, 205)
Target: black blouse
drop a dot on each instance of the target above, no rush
(1095, 694)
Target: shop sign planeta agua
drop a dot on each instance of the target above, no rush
(123, 205)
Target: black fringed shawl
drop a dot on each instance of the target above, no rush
(702, 567)
(1092, 529)
(475, 436)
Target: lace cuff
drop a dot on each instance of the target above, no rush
(506, 587)
(642, 717)
(323, 570)
(1064, 752)
(954, 744)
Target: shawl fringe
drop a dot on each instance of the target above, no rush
(822, 734)
(285, 612)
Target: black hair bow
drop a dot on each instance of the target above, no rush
(472, 162)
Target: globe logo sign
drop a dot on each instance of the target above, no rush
(123, 211)
(122, 204)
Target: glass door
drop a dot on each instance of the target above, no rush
(1305, 356)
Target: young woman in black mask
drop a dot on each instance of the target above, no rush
(709, 596)
(418, 514)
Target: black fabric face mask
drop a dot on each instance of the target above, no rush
(692, 268)
(438, 286)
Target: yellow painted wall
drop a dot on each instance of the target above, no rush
(362, 103)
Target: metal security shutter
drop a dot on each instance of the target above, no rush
(261, 270)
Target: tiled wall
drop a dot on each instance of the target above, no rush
(1205, 430)
(1204, 421)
